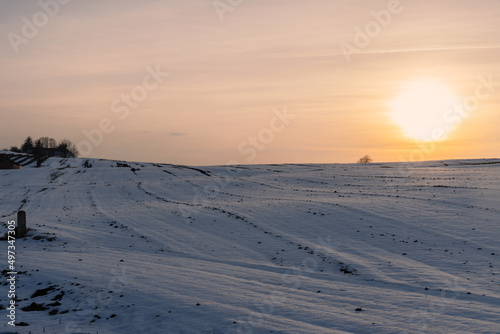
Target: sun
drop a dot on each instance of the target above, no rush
(420, 110)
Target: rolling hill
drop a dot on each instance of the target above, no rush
(121, 247)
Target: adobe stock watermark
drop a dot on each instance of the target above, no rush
(454, 115)
(292, 279)
(225, 6)
(121, 106)
(424, 316)
(265, 136)
(364, 36)
(32, 26)
(249, 149)
(86, 308)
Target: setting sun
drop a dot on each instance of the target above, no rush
(420, 108)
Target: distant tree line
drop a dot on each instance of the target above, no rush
(47, 147)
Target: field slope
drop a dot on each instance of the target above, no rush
(157, 248)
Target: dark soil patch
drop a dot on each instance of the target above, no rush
(43, 292)
(34, 307)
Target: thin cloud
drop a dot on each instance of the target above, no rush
(368, 52)
(444, 48)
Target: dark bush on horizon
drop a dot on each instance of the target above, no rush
(365, 160)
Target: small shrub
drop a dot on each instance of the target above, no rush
(365, 160)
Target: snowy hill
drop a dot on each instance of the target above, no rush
(154, 248)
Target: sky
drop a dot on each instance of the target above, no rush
(203, 82)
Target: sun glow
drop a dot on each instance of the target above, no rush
(420, 110)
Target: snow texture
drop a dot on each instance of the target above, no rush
(126, 247)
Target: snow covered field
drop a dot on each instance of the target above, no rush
(340, 248)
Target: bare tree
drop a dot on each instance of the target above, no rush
(67, 149)
(52, 143)
(47, 142)
(27, 146)
(40, 147)
(365, 160)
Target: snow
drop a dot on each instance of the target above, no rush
(292, 248)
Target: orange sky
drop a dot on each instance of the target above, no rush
(86, 68)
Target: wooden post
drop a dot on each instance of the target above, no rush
(21, 224)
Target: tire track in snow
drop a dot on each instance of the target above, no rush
(160, 198)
